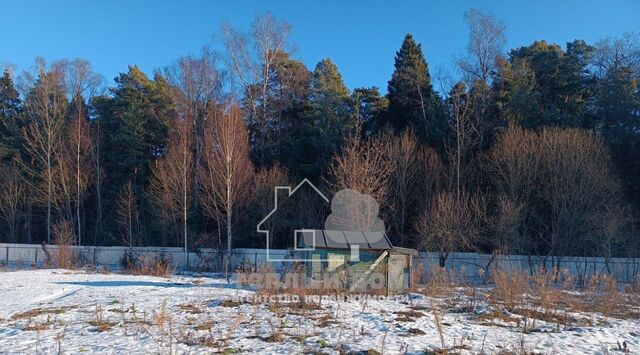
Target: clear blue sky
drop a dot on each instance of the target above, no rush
(361, 37)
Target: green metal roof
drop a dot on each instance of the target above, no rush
(334, 239)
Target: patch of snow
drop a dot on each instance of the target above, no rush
(201, 317)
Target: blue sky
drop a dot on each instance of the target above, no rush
(361, 37)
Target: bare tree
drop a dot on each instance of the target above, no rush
(82, 83)
(578, 185)
(452, 224)
(226, 171)
(64, 239)
(513, 164)
(363, 166)
(432, 176)
(465, 136)
(561, 182)
(199, 87)
(264, 183)
(171, 182)
(613, 227)
(617, 53)
(254, 61)
(404, 184)
(98, 173)
(486, 42)
(46, 107)
(128, 211)
(506, 234)
(12, 195)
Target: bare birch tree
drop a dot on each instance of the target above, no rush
(486, 42)
(254, 61)
(199, 84)
(465, 137)
(82, 83)
(46, 107)
(226, 171)
(171, 182)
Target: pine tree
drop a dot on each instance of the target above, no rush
(315, 128)
(516, 98)
(9, 109)
(368, 107)
(412, 100)
(562, 80)
(134, 123)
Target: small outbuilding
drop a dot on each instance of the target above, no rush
(363, 261)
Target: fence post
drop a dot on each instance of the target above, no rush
(7, 257)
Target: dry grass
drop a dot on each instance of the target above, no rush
(524, 300)
(99, 321)
(64, 239)
(190, 308)
(39, 311)
(148, 264)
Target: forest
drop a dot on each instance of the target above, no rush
(533, 150)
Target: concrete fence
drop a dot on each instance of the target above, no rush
(475, 267)
(471, 266)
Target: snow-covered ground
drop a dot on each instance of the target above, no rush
(46, 311)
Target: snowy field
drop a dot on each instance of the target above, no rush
(52, 311)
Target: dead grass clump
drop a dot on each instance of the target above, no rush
(442, 282)
(632, 291)
(408, 316)
(603, 295)
(64, 238)
(99, 321)
(33, 326)
(510, 289)
(37, 312)
(325, 321)
(229, 303)
(148, 264)
(205, 326)
(275, 337)
(416, 331)
(489, 317)
(190, 308)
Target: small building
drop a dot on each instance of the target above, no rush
(363, 261)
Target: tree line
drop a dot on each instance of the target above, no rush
(535, 150)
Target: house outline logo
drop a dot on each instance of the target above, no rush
(290, 192)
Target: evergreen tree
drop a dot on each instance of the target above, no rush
(562, 80)
(10, 107)
(315, 128)
(618, 117)
(331, 98)
(516, 98)
(368, 108)
(287, 87)
(134, 124)
(412, 100)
